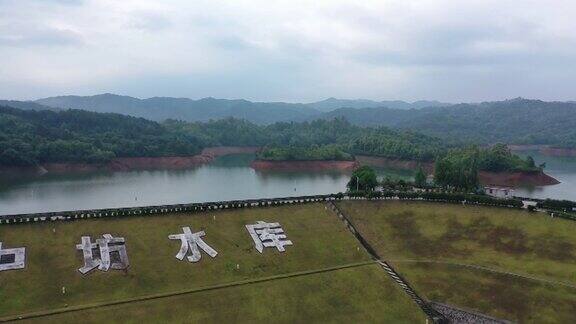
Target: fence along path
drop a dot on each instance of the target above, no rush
(434, 315)
(165, 209)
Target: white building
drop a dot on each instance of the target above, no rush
(499, 192)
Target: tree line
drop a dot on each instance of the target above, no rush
(29, 137)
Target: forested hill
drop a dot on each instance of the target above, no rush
(312, 135)
(29, 137)
(162, 108)
(26, 105)
(517, 121)
(331, 104)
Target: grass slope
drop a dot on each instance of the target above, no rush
(503, 239)
(320, 241)
(511, 240)
(361, 294)
(500, 295)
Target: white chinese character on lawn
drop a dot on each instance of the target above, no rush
(107, 253)
(268, 235)
(192, 241)
(12, 259)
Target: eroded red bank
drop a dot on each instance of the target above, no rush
(510, 179)
(304, 165)
(506, 179)
(138, 163)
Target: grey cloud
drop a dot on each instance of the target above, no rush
(39, 37)
(43, 2)
(231, 43)
(149, 21)
(435, 49)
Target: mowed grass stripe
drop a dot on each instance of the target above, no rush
(182, 292)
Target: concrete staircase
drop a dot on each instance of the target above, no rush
(426, 307)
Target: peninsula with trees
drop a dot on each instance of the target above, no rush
(83, 140)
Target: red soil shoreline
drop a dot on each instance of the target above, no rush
(514, 179)
(137, 163)
(504, 179)
(264, 165)
(383, 162)
(509, 179)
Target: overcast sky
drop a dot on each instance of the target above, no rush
(472, 50)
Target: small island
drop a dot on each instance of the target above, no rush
(327, 157)
(462, 167)
(83, 141)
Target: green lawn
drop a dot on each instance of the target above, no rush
(353, 295)
(502, 296)
(502, 239)
(510, 240)
(320, 241)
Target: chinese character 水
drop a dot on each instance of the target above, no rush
(192, 241)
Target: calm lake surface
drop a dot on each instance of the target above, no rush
(561, 168)
(227, 178)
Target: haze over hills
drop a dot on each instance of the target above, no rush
(161, 108)
(333, 104)
(26, 105)
(511, 121)
(522, 121)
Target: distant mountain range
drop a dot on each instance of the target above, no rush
(161, 108)
(511, 121)
(519, 120)
(331, 104)
(26, 105)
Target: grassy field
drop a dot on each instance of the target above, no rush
(499, 295)
(320, 241)
(503, 239)
(346, 295)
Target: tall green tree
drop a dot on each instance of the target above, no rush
(363, 178)
(420, 178)
(458, 169)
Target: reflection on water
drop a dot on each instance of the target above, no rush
(561, 168)
(227, 178)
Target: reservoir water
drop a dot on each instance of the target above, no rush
(227, 178)
(561, 168)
